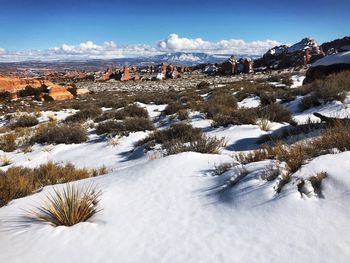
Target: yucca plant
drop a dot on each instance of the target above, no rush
(69, 206)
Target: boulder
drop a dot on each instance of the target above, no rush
(60, 93)
(82, 92)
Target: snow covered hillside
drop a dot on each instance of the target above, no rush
(229, 204)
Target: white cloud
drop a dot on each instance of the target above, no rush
(232, 46)
(109, 49)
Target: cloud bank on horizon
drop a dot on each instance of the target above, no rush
(110, 50)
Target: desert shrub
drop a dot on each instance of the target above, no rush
(69, 207)
(108, 115)
(237, 117)
(5, 95)
(124, 127)
(8, 142)
(203, 85)
(18, 182)
(277, 113)
(173, 107)
(90, 111)
(267, 98)
(112, 102)
(182, 114)
(138, 124)
(333, 87)
(131, 111)
(222, 103)
(25, 121)
(182, 137)
(287, 81)
(308, 102)
(57, 134)
(29, 91)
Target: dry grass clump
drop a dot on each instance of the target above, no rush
(25, 121)
(316, 182)
(89, 111)
(335, 137)
(203, 144)
(18, 182)
(277, 113)
(69, 206)
(8, 142)
(203, 85)
(287, 132)
(57, 134)
(333, 87)
(182, 137)
(5, 160)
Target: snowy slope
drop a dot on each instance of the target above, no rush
(163, 211)
(339, 58)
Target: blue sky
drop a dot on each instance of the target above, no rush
(44, 24)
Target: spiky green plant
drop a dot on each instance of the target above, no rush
(69, 206)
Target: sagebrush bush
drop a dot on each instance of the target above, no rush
(173, 107)
(132, 110)
(57, 134)
(89, 111)
(69, 206)
(30, 91)
(333, 87)
(25, 121)
(277, 113)
(110, 127)
(236, 117)
(124, 127)
(8, 142)
(220, 103)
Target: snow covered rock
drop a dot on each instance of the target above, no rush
(327, 65)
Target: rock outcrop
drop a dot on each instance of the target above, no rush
(13, 84)
(328, 65)
(302, 53)
(60, 93)
(335, 46)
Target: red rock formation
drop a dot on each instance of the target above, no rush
(13, 85)
(60, 93)
(125, 74)
(107, 75)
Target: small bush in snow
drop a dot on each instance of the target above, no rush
(56, 134)
(68, 206)
(277, 113)
(25, 121)
(89, 111)
(132, 110)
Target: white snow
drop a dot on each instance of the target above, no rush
(164, 211)
(297, 81)
(250, 102)
(339, 58)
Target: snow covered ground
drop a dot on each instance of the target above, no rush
(165, 211)
(174, 209)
